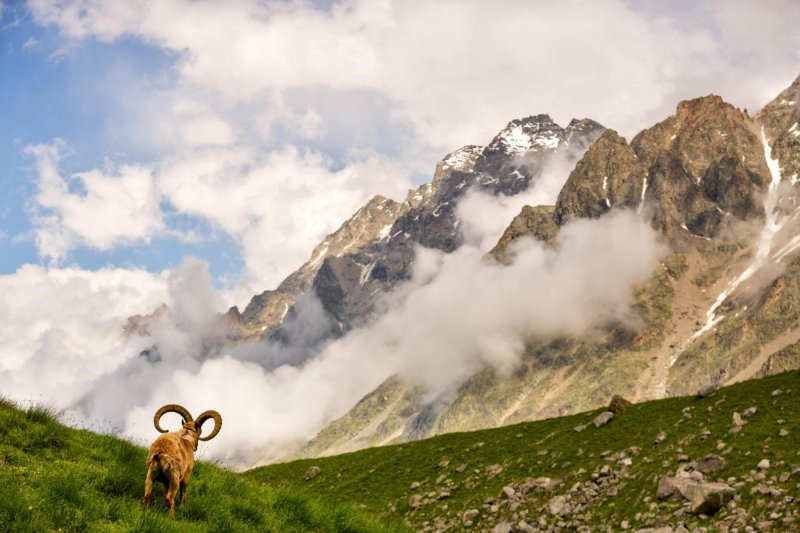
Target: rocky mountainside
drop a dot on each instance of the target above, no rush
(374, 250)
(716, 183)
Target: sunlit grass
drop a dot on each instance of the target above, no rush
(53, 478)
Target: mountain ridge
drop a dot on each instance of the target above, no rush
(697, 176)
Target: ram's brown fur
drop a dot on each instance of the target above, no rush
(171, 457)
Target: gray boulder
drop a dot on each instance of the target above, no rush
(710, 463)
(708, 498)
(602, 419)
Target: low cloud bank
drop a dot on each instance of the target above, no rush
(459, 313)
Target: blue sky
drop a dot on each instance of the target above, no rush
(48, 92)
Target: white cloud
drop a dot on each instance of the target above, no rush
(586, 283)
(61, 329)
(458, 70)
(278, 206)
(112, 207)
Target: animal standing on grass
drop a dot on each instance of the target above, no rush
(171, 456)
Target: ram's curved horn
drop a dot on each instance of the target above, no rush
(205, 416)
(170, 408)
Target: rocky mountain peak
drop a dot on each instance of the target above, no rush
(702, 131)
(537, 132)
(581, 130)
(462, 160)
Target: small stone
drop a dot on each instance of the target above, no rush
(750, 411)
(708, 498)
(414, 486)
(507, 493)
(672, 487)
(603, 418)
(503, 527)
(524, 527)
(783, 432)
(721, 445)
(444, 495)
(558, 506)
(777, 392)
(468, 517)
(761, 489)
(661, 437)
(415, 502)
(443, 463)
(460, 468)
(624, 524)
(580, 428)
(784, 477)
(618, 404)
(763, 464)
(710, 463)
(311, 473)
(494, 469)
(737, 419)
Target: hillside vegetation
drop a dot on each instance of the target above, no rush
(53, 478)
(565, 473)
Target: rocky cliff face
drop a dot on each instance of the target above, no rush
(723, 307)
(374, 250)
(781, 121)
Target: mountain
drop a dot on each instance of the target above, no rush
(374, 250)
(717, 185)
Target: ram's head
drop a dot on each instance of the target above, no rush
(190, 423)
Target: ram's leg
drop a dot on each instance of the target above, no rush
(172, 490)
(184, 484)
(148, 486)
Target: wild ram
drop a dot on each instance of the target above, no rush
(171, 457)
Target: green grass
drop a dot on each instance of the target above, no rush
(379, 479)
(53, 478)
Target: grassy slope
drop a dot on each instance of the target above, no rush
(379, 479)
(53, 478)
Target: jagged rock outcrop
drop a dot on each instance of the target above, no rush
(704, 163)
(689, 172)
(609, 175)
(266, 311)
(537, 222)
